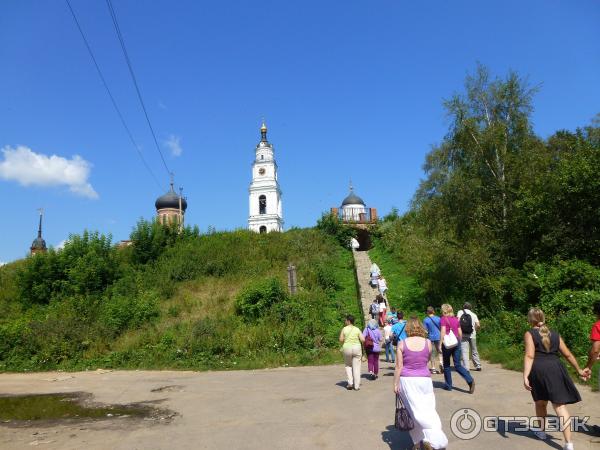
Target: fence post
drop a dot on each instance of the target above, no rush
(292, 284)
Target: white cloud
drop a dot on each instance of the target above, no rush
(28, 168)
(61, 245)
(174, 144)
(2, 263)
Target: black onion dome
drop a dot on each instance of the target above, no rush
(353, 199)
(38, 244)
(170, 200)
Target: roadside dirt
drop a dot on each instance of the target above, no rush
(286, 408)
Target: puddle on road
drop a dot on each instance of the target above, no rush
(44, 407)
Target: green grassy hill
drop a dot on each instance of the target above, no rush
(215, 301)
(404, 292)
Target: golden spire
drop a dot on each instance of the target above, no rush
(263, 131)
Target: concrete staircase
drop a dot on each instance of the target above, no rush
(362, 262)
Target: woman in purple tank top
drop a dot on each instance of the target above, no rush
(412, 381)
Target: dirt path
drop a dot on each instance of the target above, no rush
(288, 408)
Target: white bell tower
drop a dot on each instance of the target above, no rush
(265, 194)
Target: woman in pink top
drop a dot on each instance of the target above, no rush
(412, 381)
(450, 324)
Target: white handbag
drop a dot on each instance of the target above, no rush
(450, 340)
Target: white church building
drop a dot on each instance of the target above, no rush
(265, 195)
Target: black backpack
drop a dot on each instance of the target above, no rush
(466, 323)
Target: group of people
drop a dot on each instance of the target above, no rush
(377, 281)
(421, 347)
(463, 327)
(380, 312)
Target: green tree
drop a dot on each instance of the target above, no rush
(151, 238)
(474, 167)
(86, 266)
(330, 224)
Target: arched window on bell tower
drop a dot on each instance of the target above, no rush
(262, 229)
(262, 204)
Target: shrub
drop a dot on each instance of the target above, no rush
(574, 328)
(331, 225)
(511, 290)
(573, 274)
(507, 329)
(121, 312)
(326, 277)
(151, 238)
(211, 337)
(12, 336)
(85, 266)
(568, 301)
(256, 299)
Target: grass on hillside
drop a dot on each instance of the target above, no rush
(186, 308)
(404, 292)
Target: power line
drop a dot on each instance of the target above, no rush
(112, 99)
(113, 16)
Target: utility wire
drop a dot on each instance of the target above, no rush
(112, 99)
(113, 15)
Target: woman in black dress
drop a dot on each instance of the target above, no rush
(545, 376)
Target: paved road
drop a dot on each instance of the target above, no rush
(287, 408)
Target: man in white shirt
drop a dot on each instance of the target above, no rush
(469, 326)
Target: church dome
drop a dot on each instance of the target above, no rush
(38, 244)
(170, 200)
(353, 199)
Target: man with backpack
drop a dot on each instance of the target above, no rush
(469, 324)
(374, 309)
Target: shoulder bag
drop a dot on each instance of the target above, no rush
(369, 343)
(402, 420)
(450, 340)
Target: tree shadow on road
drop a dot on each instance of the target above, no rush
(514, 427)
(397, 440)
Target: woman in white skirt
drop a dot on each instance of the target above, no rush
(412, 381)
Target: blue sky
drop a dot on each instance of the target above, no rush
(349, 90)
